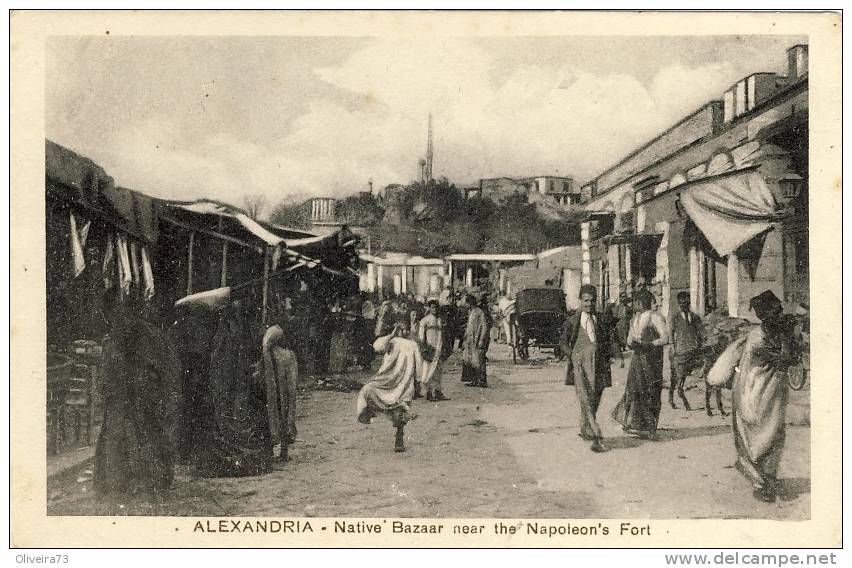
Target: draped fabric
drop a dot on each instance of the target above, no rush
(731, 209)
(237, 432)
(136, 446)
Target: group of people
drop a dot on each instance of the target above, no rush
(759, 376)
(414, 351)
(238, 385)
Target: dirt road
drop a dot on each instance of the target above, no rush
(511, 450)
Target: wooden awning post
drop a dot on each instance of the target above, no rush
(224, 279)
(224, 264)
(189, 264)
(265, 282)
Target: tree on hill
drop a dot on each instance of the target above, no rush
(436, 220)
(293, 212)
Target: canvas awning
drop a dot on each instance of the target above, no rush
(73, 178)
(732, 208)
(239, 224)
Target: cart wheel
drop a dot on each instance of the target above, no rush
(523, 350)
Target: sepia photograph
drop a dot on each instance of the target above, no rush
(331, 283)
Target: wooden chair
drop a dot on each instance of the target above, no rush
(78, 404)
(59, 370)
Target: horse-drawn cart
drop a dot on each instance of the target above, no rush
(537, 321)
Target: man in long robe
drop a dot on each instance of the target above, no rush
(392, 389)
(760, 395)
(586, 341)
(475, 345)
(281, 374)
(431, 336)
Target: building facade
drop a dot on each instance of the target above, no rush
(560, 189)
(715, 205)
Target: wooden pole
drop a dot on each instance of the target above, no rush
(224, 264)
(189, 264)
(224, 277)
(265, 282)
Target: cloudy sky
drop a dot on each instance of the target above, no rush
(220, 117)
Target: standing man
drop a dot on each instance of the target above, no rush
(431, 335)
(475, 344)
(586, 341)
(687, 334)
(506, 306)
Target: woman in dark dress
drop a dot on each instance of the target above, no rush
(638, 412)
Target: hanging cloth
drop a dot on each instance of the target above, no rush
(78, 243)
(109, 259)
(731, 209)
(276, 257)
(135, 268)
(125, 272)
(147, 274)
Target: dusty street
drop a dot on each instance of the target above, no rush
(508, 451)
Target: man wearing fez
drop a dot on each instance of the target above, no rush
(586, 341)
(760, 394)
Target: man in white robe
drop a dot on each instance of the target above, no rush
(392, 389)
(760, 395)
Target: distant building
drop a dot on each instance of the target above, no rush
(562, 190)
(325, 217)
(401, 273)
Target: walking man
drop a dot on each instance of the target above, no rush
(586, 341)
(687, 335)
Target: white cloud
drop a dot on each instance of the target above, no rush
(538, 120)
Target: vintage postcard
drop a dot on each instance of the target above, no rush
(425, 279)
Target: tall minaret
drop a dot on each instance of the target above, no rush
(429, 154)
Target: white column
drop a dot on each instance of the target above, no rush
(584, 247)
(614, 273)
(468, 277)
(403, 276)
(663, 268)
(694, 281)
(448, 278)
(380, 277)
(371, 277)
(733, 285)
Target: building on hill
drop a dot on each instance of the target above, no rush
(561, 190)
(326, 217)
(716, 205)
